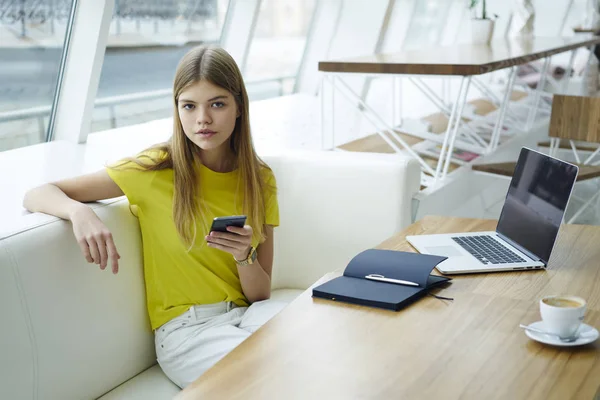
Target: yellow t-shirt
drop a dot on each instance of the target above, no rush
(175, 278)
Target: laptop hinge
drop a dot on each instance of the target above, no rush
(520, 248)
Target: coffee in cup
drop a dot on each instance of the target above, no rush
(562, 302)
(562, 315)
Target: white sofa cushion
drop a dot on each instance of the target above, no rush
(152, 384)
(285, 295)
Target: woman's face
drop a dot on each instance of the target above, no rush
(208, 114)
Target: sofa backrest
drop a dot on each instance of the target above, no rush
(71, 331)
(334, 205)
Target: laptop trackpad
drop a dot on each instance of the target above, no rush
(448, 251)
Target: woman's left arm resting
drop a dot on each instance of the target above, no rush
(256, 277)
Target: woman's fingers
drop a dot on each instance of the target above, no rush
(113, 254)
(236, 243)
(103, 253)
(223, 247)
(225, 242)
(238, 248)
(85, 249)
(95, 240)
(245, 231)
(230, 238)
(93, 246)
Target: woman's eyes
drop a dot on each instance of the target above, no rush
(217, 104)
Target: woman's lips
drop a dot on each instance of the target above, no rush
(206, 133)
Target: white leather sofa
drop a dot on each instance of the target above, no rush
(71, 331)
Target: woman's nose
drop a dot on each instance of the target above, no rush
(203, 116)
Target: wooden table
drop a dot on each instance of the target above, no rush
(471, 348)
(460, 59)
(480, 135)
(584, 30)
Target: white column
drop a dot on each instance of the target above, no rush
(238, 30)
(318, 40)
(397, 28)
(82, 70)
(523, 18)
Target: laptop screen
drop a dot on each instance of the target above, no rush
(536, 200)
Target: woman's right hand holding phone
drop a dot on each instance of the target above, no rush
(94, 238)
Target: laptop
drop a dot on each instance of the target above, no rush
(531, 216)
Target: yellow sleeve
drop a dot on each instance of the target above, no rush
(271, 203)
(133, 180)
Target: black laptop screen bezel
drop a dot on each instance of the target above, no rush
(518, 174)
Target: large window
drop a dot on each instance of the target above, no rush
(32, 33)
(277, 46)
(427, 23)
(146, 41)
(576, 16)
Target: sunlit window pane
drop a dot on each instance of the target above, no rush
(277, 46)
(32, 34)
(427, 23)
(146, 41)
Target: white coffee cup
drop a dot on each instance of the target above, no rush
(562, 315)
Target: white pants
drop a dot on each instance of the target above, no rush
(190, 344)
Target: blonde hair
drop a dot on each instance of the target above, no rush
(216, 66)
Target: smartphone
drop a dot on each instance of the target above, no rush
(220, 224)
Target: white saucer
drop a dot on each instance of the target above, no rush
(587, 334)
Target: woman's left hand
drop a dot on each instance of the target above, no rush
(237, 241)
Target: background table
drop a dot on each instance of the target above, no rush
(482, 134)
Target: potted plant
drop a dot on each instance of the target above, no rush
(482, 27)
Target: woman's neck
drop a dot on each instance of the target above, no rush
(218, 160)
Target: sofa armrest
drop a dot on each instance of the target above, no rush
(74, 331)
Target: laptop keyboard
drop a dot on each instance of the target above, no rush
(487, 250)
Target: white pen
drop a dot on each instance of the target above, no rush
(381, 278)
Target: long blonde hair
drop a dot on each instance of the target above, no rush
(215, 65)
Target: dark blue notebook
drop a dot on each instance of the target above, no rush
(354, 286)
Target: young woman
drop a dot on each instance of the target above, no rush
(199, 284)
